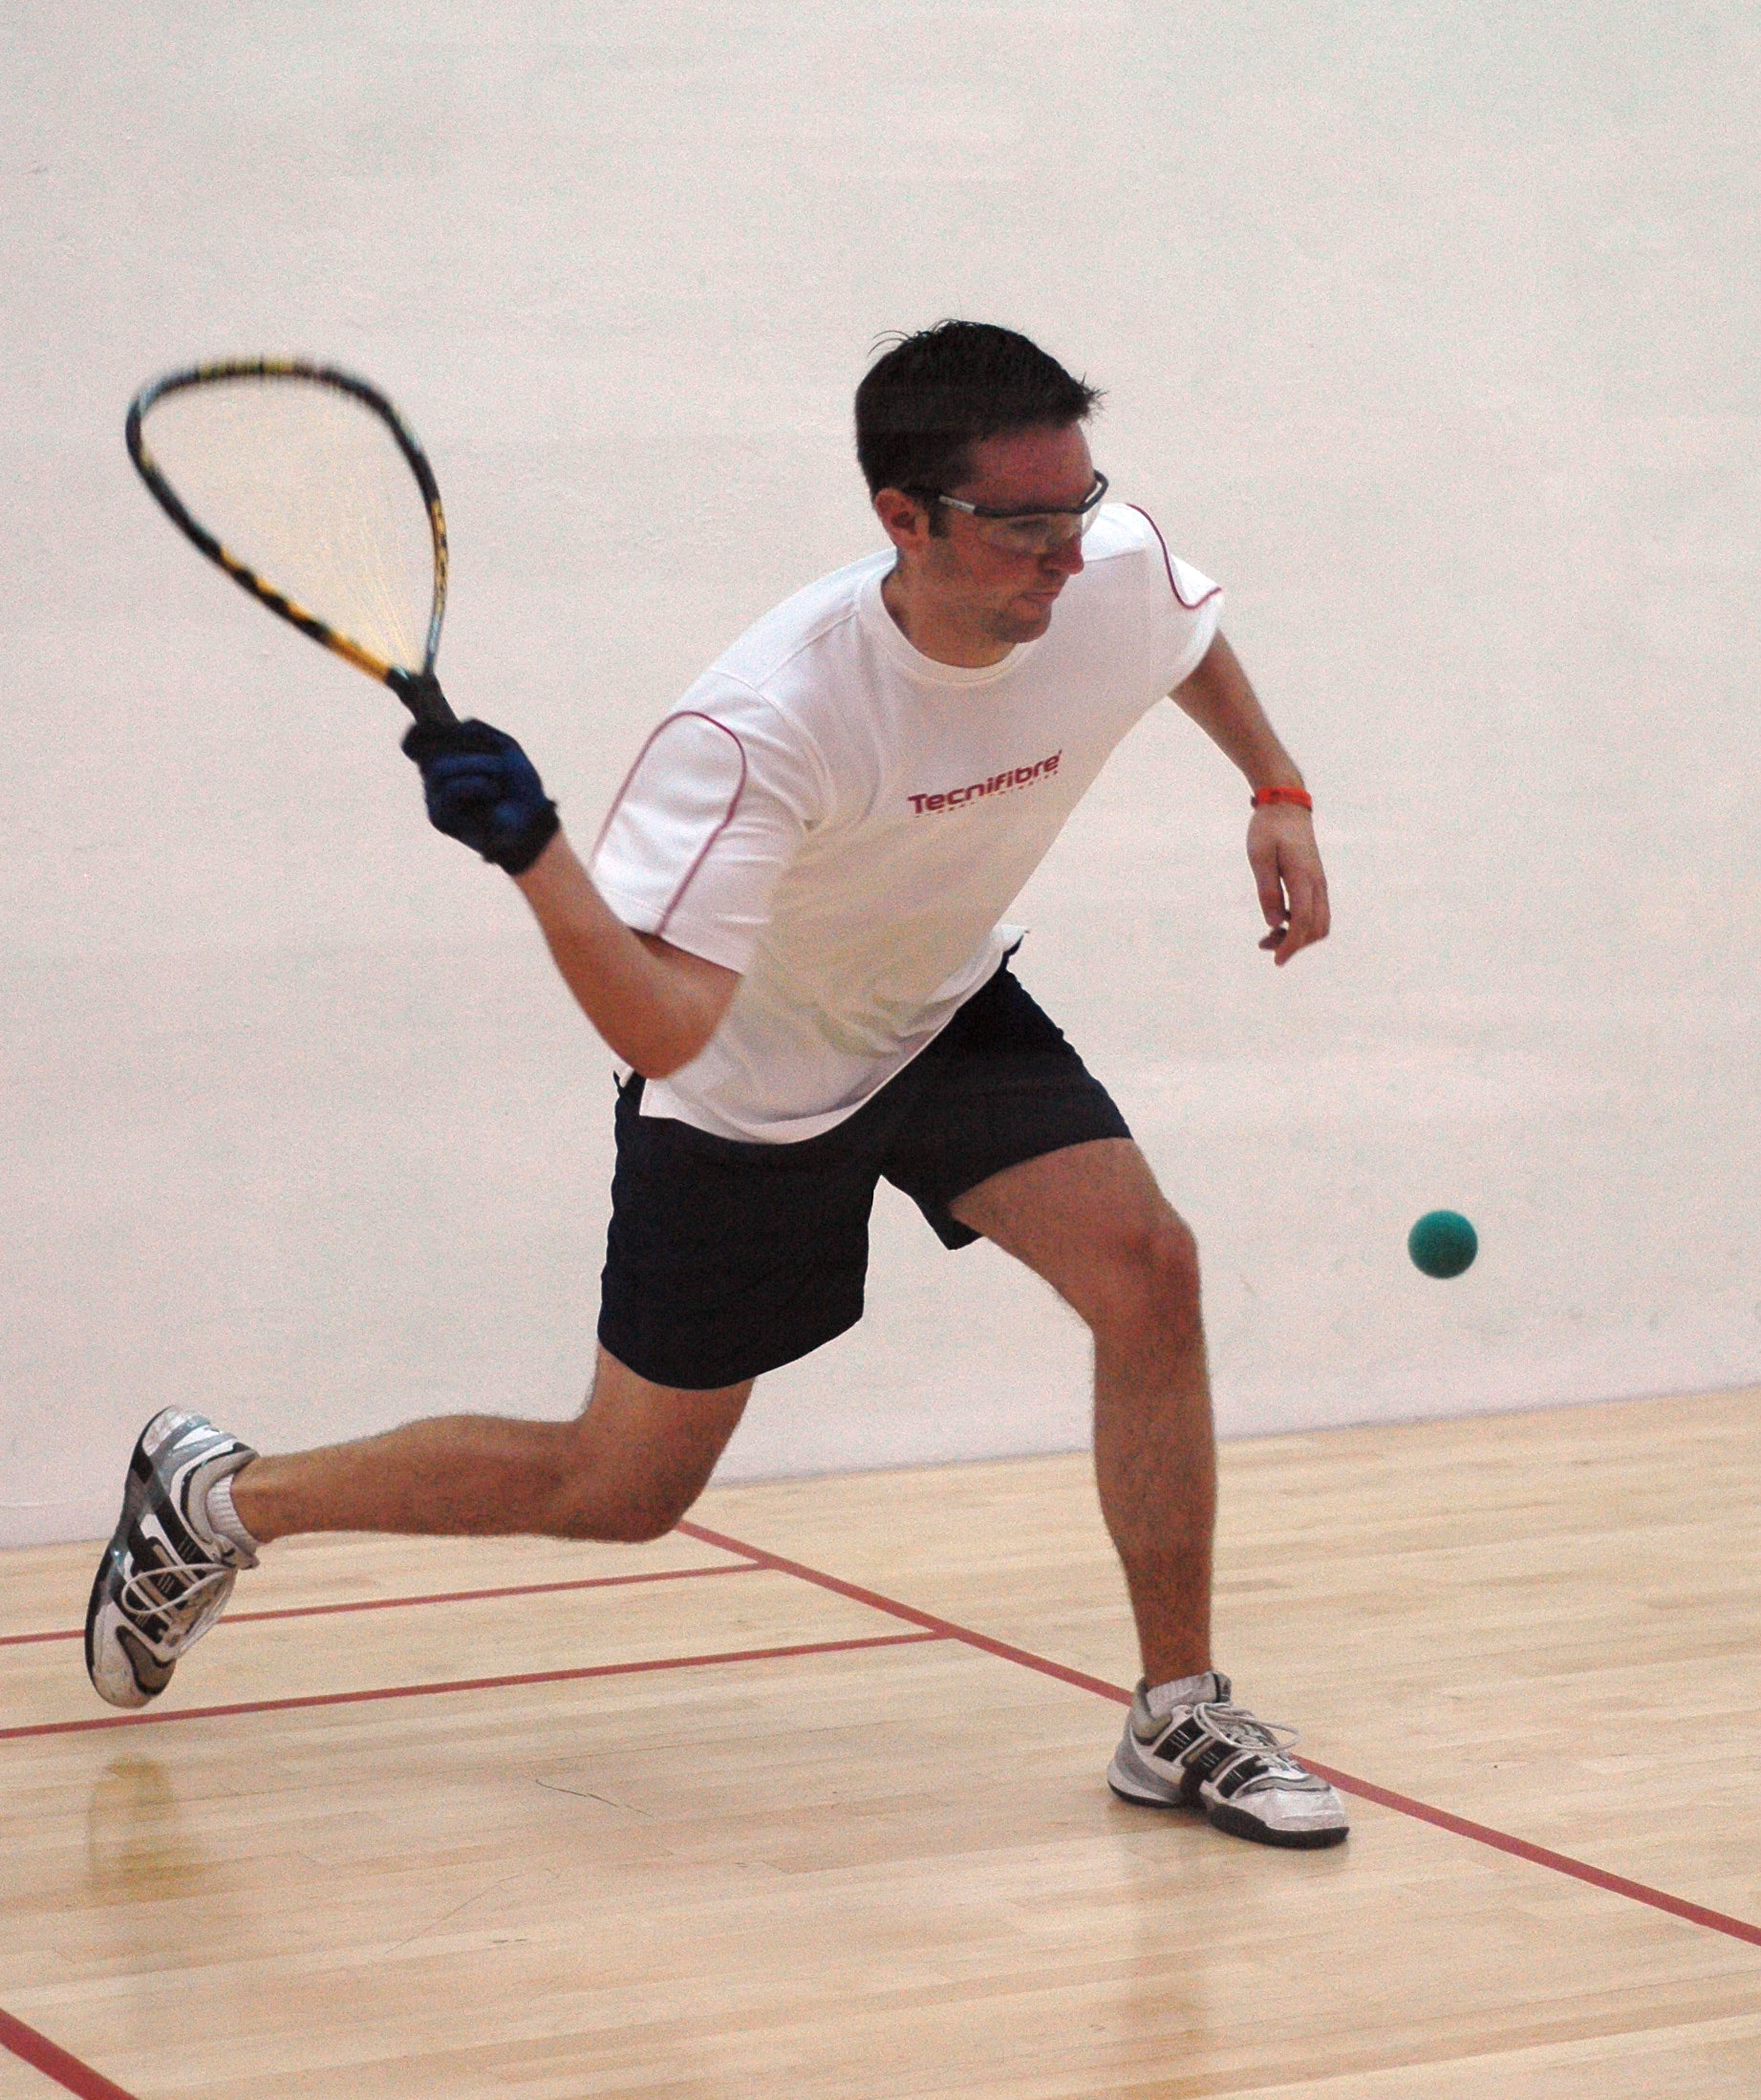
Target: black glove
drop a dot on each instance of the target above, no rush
(483, 789)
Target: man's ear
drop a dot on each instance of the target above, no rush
(904, 519)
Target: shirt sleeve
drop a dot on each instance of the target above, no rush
(712, 811)
(1185, 607)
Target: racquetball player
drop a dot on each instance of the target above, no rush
(792, 933)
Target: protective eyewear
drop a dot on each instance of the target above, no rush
(1028, 531)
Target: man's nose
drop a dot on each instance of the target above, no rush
(1065, 559)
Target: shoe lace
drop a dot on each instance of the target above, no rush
(1249, 1736)
(170, 1607)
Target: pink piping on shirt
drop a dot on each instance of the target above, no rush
(1216, 590)
(684, 713)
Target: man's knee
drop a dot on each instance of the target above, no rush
(1145, 1281)
(639, 1455)
(616, 1515)
(634, 1523)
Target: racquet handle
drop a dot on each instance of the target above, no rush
(420, 693)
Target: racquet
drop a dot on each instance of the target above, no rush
(308, 488)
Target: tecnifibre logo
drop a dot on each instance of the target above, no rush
(998, 783)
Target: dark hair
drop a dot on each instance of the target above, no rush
(934, 395)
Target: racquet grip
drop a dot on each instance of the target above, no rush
(420, 693)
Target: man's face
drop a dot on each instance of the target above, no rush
(1006, 596)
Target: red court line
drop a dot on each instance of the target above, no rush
(1519, 1848)
(437, 1597)
(150, 1720)
(41, 2054)
(944, 1627)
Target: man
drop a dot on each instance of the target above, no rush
(789, 936)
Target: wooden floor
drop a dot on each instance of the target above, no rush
(736, 1831)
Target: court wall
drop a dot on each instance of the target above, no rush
(1428, 329)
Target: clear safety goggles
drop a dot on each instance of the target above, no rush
(1029, 532)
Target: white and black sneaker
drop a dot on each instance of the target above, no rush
(167, 1572)
(1210, 1754)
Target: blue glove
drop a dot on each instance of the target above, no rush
(482, 788)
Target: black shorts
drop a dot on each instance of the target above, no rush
(726, 1259)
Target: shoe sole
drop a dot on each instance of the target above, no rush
(133, 1501)
(1151, 1800)
(1236, 1823)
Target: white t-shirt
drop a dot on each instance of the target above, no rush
(844, 820)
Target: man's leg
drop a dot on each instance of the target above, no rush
(1093, 1222)
(198, 1502)
(627, 1466)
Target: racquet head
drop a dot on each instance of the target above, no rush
(305, 485)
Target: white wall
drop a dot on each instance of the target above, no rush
(1430, 328)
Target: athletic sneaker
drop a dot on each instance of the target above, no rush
(166, 1573)
(1211, 1755)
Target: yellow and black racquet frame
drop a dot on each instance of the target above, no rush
(418, 690)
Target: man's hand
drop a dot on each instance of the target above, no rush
(1293, 884)
(483, 789)
(1281, 840)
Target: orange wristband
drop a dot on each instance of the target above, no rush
(1300, 796)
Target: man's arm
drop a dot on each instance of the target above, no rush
(1281, 838)
(655, 1006)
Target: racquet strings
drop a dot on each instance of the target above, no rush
(306, 486)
